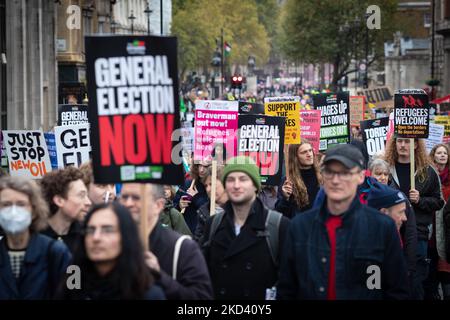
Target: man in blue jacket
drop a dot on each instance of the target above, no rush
(342, 249)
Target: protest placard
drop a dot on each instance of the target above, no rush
(72, 114)
(134, 106)
(51, 146)
(288, 107)
(216, 124)
(335, 118)
(261, 138)
(374, 133)
(411, 114)
(310, 127)
(27, 153)
(73, 144)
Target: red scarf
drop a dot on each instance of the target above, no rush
(444, 176)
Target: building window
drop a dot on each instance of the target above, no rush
(427, 19)
(447, 9)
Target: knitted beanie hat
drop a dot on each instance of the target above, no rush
(242, 164)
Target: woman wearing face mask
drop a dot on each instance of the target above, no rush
(111, 259)
(31, 264)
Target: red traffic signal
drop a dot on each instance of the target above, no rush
(236, 81)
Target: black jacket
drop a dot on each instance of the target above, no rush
(190, 214)
(193, 281)
(72, 239)
(366, 238)
(430, 199)
(446, 217)
(203, 216)
(289, 207)
(241, 266)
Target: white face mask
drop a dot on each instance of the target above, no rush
(14, 219)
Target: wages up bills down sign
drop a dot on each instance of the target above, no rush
(133, 97)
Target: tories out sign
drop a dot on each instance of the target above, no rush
(374, 134)
(133, 97)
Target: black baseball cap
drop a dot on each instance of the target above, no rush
(346, 154)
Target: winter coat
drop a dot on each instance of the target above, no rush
(45, 264)
(192, 278)
(241, 267)
(366, 238)
(173, 219)
(429, 202)
(190, 214)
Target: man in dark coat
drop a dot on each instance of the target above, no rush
(238, 254)
(342, 249)
(185, 279)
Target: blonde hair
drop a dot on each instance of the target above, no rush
(421, 159)
(433, 151)
(39, 207)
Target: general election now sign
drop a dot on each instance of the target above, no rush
(411, 114)
(73, 144)
(134, 105)
(72, 114)
(261, 138)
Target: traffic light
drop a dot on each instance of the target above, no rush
(236, 82)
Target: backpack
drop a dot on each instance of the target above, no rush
(271, 231)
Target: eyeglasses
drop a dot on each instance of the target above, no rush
(343, 175)
(104, 230)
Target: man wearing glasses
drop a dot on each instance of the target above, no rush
(342, 249)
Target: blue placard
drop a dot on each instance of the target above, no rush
(51, 145)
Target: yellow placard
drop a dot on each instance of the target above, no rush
(288, 107)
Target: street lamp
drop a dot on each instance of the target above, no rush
(132, 18)
(366, 75)
(147, 11)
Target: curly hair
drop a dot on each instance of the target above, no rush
(39, 207)
(300, 193)
(88, 173)
(421, 159)
(434, 149)
(57, 183)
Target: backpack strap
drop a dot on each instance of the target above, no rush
(272, 227)
(176, 254)
(216, 220)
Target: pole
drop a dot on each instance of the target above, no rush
(432, 45)
(411, 156)
(212, 207)
(366, 76)
(161, 14)
(143, 227)
(222, 62)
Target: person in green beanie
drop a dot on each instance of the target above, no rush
(242, 261)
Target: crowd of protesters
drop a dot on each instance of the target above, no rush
(340, 225)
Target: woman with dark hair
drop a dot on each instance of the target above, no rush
(111, 258)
